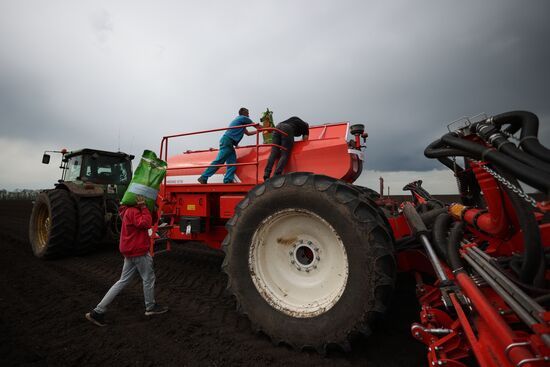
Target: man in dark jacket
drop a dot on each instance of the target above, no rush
(134, 246)
(294, 126)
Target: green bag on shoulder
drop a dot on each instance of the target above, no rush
(146, 180)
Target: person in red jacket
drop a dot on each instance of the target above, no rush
(134, 246)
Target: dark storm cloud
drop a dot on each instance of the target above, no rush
(404, 69)
(432, 65)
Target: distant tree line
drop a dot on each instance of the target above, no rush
(24, 194)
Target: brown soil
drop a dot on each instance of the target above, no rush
(43, 305)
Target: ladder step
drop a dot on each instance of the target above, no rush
(160, 245)
(160, 241)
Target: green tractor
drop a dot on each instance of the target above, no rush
(81, 212)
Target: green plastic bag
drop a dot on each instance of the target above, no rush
(267, 121)
(146, 180)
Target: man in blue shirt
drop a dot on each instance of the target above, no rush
(227, 154)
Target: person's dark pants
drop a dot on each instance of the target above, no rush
(278, 153)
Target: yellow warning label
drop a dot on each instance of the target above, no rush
(191, 207)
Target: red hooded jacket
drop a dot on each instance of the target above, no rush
(134, 235)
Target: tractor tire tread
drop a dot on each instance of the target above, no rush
(90, 227)
(366, 215)
(62, 212)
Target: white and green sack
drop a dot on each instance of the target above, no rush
(267, 121)
(146, 180)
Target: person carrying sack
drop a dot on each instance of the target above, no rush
(134, 246)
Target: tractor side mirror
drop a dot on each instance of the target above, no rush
(46, 158)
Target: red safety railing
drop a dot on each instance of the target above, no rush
(164, 147)
(156, 237)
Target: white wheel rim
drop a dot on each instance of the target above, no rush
(298, 263)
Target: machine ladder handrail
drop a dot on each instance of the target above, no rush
(164, 146)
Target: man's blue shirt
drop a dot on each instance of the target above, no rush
(237, 134)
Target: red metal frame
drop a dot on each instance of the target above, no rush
(489, 328)
(473, 318)
(331, 138)
(214, 233)
(164, 147)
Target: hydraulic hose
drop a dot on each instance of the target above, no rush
(430, 216)
(528, 122)
(440, 238)
(533, 265)
(455, 236)
(441, 152)
(438, 149)
(491, 133)
(539, 180)
(447, 162)
(510, 149)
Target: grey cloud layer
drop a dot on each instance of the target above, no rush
(82, 72)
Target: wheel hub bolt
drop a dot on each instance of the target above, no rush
(300, 252)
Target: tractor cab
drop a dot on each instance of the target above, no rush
(112, 170)
(81, 212)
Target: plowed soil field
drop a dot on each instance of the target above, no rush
(43, 305)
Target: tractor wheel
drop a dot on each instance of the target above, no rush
(113, 220)
(309, 261)
(91, 225)
(53, 224)
(372, 196)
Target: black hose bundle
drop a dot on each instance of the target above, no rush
(491, 133)
(502, 153)
(530, 164)
(528, 123)
(468, 187)
(532, 267)
(523, 172)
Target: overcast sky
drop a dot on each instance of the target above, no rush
(122, 74)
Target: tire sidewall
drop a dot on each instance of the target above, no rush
(359, 292)
(41, 201)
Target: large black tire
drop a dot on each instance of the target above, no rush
(309, 261)
(91, 225)
(372, 196)
(52, 225)
(113, 221)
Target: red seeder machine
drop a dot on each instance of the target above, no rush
(311, 258)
